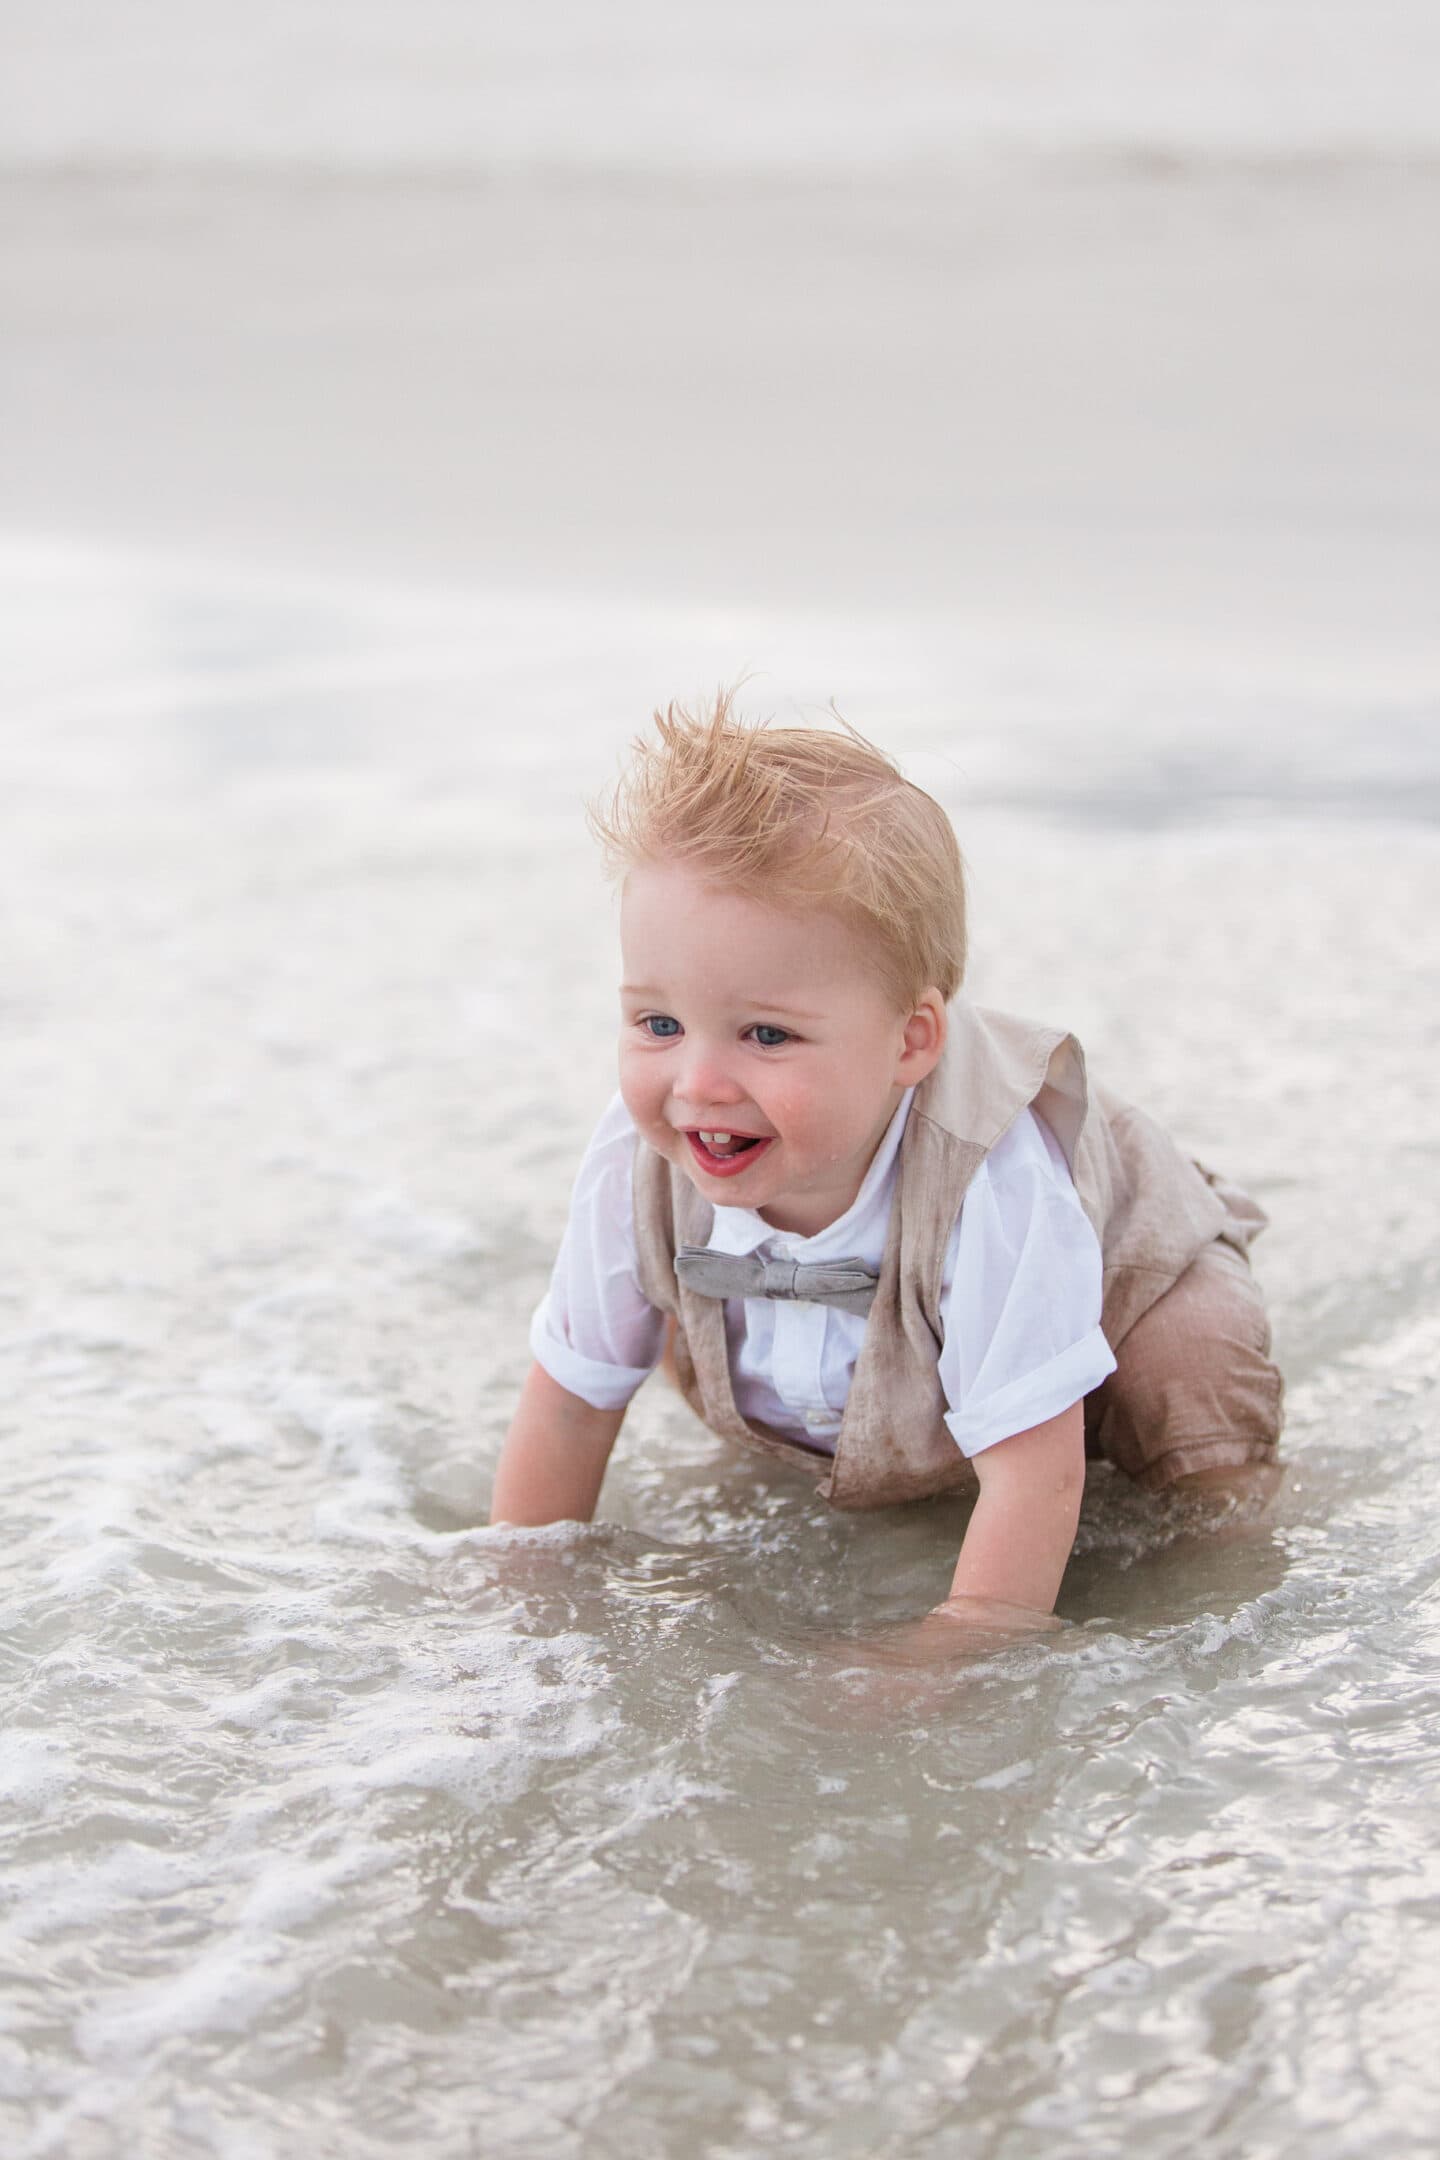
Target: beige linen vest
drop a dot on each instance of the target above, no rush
(1152, 1209)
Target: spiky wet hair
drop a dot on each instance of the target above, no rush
(813, 817)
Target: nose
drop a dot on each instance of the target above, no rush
(704, 1081)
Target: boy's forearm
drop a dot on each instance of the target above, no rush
(1009, 1559)
(553, 1462)
(1023, 1524)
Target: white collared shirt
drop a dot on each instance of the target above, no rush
(1020, 1294)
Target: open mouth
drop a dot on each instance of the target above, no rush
(722, 1154)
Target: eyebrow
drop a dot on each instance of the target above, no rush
(791, 1012)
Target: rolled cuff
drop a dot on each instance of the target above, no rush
(1039, 1395)
(604, 1387)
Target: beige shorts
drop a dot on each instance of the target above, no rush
(1194, 1387)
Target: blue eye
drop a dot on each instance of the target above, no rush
(661, 1026)
(770, 1038)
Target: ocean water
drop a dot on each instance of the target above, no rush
(339, 1824)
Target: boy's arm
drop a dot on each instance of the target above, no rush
(1023, 1523)
(554, 1457)
(1019, 1538)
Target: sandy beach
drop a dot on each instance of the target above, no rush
(1180, 410)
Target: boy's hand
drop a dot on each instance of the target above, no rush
(915, 1667)
(553, 1461)
(963, 1626)
(990, 1620)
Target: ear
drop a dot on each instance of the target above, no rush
(924, 1039)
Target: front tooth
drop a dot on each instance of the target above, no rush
(716, 1139)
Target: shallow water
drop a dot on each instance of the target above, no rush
(340, 1824)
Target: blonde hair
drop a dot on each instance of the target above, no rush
(798, 818)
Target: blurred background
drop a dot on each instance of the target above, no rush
(1117, 317)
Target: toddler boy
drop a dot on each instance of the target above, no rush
(884, 1233)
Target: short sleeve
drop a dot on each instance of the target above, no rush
(1021, 1298)
(595, 1331)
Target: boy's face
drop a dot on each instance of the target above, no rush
(743, 1020)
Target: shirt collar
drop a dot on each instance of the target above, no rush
(741, 1230)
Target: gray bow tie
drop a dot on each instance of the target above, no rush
(849, 1284)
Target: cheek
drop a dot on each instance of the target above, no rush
(829, 1115)
(793, 1109)
(642, 1086)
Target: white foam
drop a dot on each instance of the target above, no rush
(99, 1550)
(235, 1428)
(285, 1303)
(35, 1769)
(84, 1326)
(85, 1891)
(226, 1988)
(264, 1706)
(390, 1219)
(293, 1890)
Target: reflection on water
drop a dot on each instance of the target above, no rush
(341, 1824)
